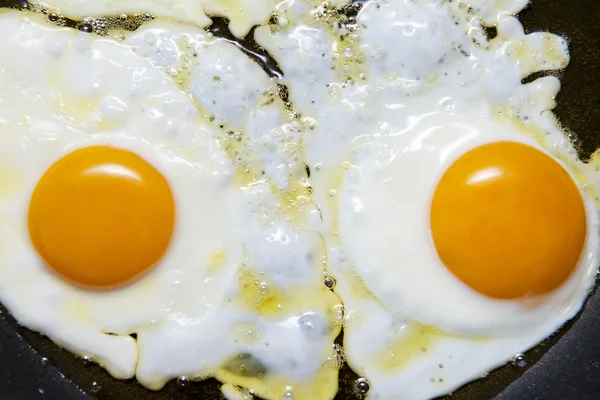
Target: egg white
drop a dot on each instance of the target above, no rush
(52, 105)
(242, 14)
(233, 93)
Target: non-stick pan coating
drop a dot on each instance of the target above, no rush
(566, 366)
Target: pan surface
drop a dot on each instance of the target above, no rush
(566, 366)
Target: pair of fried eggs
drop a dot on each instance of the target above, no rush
(430, 174)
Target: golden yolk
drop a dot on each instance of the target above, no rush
(100, 216)
(508, 221)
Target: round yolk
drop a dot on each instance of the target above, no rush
(508, 221)
(100, 216)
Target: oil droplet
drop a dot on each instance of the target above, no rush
(44, 361)
(519, 361)
(264, 288)
(338, 312)
(329, 282)
(86, 28)
(183, 382)
(86, 361)
(362, 386)
(96, 387)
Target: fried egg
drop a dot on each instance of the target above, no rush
(130, 218)
(65, 112)
(415, 87)
(441, 321)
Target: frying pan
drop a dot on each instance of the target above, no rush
(565, 366)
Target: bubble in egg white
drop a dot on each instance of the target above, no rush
(288, 395)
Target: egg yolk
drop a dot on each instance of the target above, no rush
(508, 221)
(100, 216)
